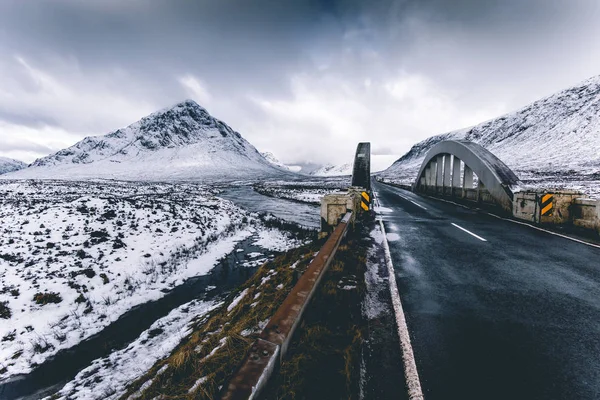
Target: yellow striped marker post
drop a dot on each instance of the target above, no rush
(547, 205)
(365, 201)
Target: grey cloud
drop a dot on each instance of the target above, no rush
(476, 55)
(7, 146)
(382, 151)
(28, 120)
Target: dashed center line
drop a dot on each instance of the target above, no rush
(417, 204)
(469, 232)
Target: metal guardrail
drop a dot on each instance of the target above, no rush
(268, 350)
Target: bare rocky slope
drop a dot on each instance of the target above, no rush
(553, 141)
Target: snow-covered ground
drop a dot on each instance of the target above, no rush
(311, 195)
(74, 256)
(107, 377)
(553, 142)
(310, 190)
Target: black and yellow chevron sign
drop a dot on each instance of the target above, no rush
(365, 201)
(547, 205)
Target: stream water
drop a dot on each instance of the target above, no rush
(55, 372)
(292, 211)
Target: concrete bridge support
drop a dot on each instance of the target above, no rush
(447, 171)
(455, 172)
(432, 172)
(440, 172)
(468, 178)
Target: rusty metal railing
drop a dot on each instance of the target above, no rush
(268, 350)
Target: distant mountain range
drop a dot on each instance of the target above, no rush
(270, 157)
(333, 170)
(181, 142)
(556, 138)
(311, 168)
(9, 165)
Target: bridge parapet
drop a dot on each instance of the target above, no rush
(358, 197)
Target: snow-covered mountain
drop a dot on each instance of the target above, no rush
(333, 170)
(558, 136)
(183, 142)
(9, 165)
(270, 157)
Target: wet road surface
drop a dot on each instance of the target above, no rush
(495, 310)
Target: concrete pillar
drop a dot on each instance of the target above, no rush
(439, 173)
(427, 175)
(456, 172)
(432, 171)
(447, 172)
(468, 178)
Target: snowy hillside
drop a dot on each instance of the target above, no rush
(9, 165)
(554, 140)
(270, 157)
(333, 170)
(182, 142)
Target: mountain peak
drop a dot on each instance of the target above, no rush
(182, 141)
(187, 103)
(270, 157)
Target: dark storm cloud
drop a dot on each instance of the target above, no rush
(27, 120)
(294, 77)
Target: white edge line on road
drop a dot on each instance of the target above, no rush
(523, 223)
(469, 232)
(547, 231)
(410, 366)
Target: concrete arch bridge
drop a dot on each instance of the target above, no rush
(449, 167)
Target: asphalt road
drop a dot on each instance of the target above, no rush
(513, 316)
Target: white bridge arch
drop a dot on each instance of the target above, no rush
(441, 172)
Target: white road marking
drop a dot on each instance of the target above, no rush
(407, 199)
(547, 231)
(469, 232)
(410, 366)
(417, 204)
(523, 223)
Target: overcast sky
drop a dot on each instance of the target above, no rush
(306, 80)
